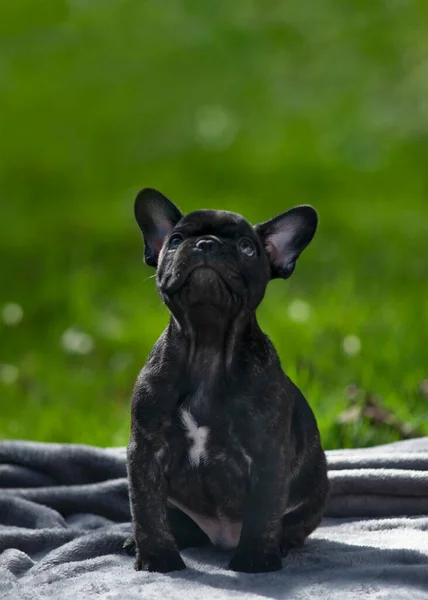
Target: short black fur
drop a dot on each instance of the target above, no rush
(223, 447)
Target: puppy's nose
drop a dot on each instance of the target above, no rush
(207, 244)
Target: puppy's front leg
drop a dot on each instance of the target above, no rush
(258, 550)
(156, 549)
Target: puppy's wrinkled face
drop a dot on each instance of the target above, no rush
(216, 258)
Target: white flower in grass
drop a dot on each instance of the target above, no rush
(9, 374)
(111, 327)
(12, 313)
(351, 345)
(77, 342)
(215, 126)
(299, 311)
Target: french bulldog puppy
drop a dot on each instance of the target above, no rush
(224, 448)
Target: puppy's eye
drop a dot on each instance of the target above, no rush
(175, 241)
(247, 247)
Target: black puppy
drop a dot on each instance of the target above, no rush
(224, 447)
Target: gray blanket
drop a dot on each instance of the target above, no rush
(64, 515)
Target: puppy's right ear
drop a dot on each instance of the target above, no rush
(286, 236)
(156, 216)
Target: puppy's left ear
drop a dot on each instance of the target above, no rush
(156, 217)
(286, 236)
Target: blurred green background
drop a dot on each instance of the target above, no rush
(251, 106)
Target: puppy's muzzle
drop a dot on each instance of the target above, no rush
(208, 244)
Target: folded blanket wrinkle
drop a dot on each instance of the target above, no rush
(64, 515)
(379, 481)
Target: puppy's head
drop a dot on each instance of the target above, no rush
(216, 258)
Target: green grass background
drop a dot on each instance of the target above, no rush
(252, 106)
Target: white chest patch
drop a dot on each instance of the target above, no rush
(198, 436)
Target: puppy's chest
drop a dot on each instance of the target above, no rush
(205, 440)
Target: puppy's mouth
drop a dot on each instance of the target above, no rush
(201, 278)
(205, 275)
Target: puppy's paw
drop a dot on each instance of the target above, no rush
(256, 561)
(164, 562)
(130, 546)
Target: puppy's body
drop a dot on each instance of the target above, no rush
(224, 447)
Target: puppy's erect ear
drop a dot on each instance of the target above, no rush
(156, 216)
(286, 236)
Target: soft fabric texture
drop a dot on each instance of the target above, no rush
(64, 515)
